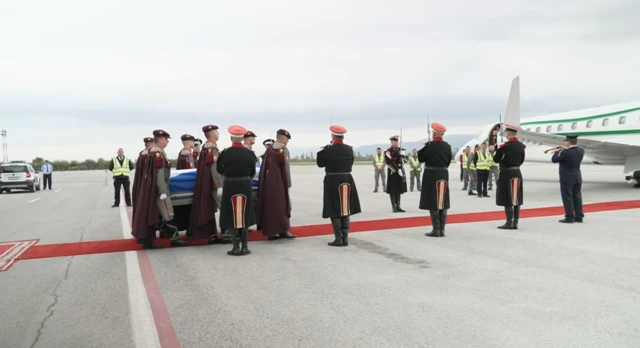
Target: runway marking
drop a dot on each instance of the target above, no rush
(150, 318)
(34, 200)
(121, 245)
(10, 251)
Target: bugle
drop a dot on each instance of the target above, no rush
(557, 148)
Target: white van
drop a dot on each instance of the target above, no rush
(18, 176)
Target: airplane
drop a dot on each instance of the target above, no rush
(610, 135)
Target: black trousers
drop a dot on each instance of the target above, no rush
(483, 179)
(572, 200)
(47, 180)
(118, 182)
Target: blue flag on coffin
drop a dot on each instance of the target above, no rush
(182, 180)
(254, 182)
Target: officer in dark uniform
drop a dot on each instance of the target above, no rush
(434, 197)
(569, 160)
(237, 164)
(394, 157)
(510, 156)
(340, 198)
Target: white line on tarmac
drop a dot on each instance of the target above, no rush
(33, 200)
(58, 190)
(145, 333)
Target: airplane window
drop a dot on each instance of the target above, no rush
(538, 130)
(560, 126)
(622, 119)
(605, 122)
(574, 125)
(548, 129)
(589, 124)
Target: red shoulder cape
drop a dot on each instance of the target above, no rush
(273, 188)
(146, 216)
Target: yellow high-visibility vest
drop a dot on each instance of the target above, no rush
(465, 160)
(121, 170)
(483, 162)
(491, 162)
(379, 159)
(472, 166)
(414, 162)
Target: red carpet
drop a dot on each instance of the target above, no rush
(121, 245)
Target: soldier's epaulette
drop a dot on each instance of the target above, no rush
(185, 152)
(208, 145)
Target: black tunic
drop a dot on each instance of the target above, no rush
(396, 180)
(510, 156)
(340, 197)
(436, 156)
(237, 164)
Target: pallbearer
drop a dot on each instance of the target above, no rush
(186, 159)
(436, 156)
(510, 156)
(340, 198)
(139, 174)
(238, 165)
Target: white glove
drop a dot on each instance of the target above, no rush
(403, 153)
(220, 191)
(163, 196)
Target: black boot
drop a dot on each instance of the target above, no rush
(516, 216)
(509, 224)
(227, 236)
(345, 230)
(393, 203)
(170, 229)
(443, 221)
(435, 223)
(398, 203)
(165, 230)
(244, 238)
(235, 251)
(336, 223)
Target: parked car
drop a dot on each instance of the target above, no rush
(19, 176)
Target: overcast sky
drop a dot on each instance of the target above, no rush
(81, 78)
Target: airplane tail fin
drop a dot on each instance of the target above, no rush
(512, 114)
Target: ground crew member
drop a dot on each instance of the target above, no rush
(340, 198)
(510, 156)
(238, 164)
(473, 175)
(415, 170)
(493, 167)
(436, 156)
(186, 160)
(464, 162)
(378, 170)
(395, 157)
(120, 166)
(569, 161)
(481, 161)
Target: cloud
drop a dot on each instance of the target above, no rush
(114, 71)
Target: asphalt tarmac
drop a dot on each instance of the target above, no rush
(544, 285)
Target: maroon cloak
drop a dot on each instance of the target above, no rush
(183, 162)
(146, 217)
(196, 158)
(273, 209)
(203, 207)
(137, 181)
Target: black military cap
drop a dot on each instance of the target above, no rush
(209, 128)
(148, 140)
(571, 137)
(198, 141)
(284, 132)
(268, 142)
(187, 137)
(250, 134)
(160, 133)
(395, 137)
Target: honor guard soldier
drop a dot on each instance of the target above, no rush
(237, 213)
(396, 180)
(509, 193)
(436, 156)
(569, 160)
(266, 143)
(197, 147)
(206, 201)
(340, 197)
(139, 173)
(155, 198)
(185, 157)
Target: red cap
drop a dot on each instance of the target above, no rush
(438, 127)
(337, 130)
(237, 131)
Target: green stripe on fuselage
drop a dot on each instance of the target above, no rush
(586, 118)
